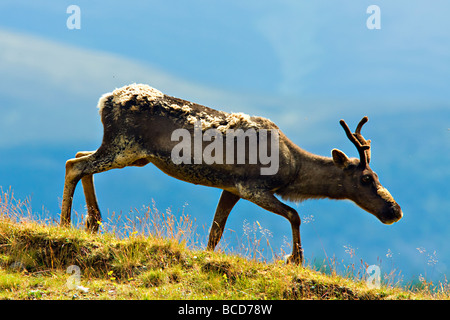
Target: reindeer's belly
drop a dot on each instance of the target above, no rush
(219, 176)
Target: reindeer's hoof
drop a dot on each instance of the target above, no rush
(290, 259)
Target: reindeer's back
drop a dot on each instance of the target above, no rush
(140, 99)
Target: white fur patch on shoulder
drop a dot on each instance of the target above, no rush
(223, 123)
(236, 119)
(140, 91)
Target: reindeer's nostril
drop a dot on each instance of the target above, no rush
(399, 213)
(391, 214)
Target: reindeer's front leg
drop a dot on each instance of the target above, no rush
(268, 201)
(226, 203)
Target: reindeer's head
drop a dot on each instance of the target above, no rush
(361, 183)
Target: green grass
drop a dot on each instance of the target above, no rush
(35, 257)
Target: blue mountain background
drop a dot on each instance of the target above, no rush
(303, 65)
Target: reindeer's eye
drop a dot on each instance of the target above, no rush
(366, 179)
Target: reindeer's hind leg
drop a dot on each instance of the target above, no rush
(226, 203)
(85, 166)
(93, 212)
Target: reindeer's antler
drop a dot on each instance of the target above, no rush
(361, 144)
(361, 139)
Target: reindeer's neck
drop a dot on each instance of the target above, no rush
(317, 177)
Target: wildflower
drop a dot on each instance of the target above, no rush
(349, 250)
(432, 259)
(421, 249)
(389, 254)
(110, 274)
(225, 278)
(308, 219)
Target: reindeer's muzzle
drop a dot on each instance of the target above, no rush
(391, 213)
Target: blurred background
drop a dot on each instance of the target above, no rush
(305, 65)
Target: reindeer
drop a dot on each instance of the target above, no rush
(138, 124)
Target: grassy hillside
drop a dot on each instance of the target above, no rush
(34, 261)
(44, 261)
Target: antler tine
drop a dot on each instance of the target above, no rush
(361, 139)
(360, 124)
(352, 137)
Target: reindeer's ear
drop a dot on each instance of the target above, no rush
(340, 159)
